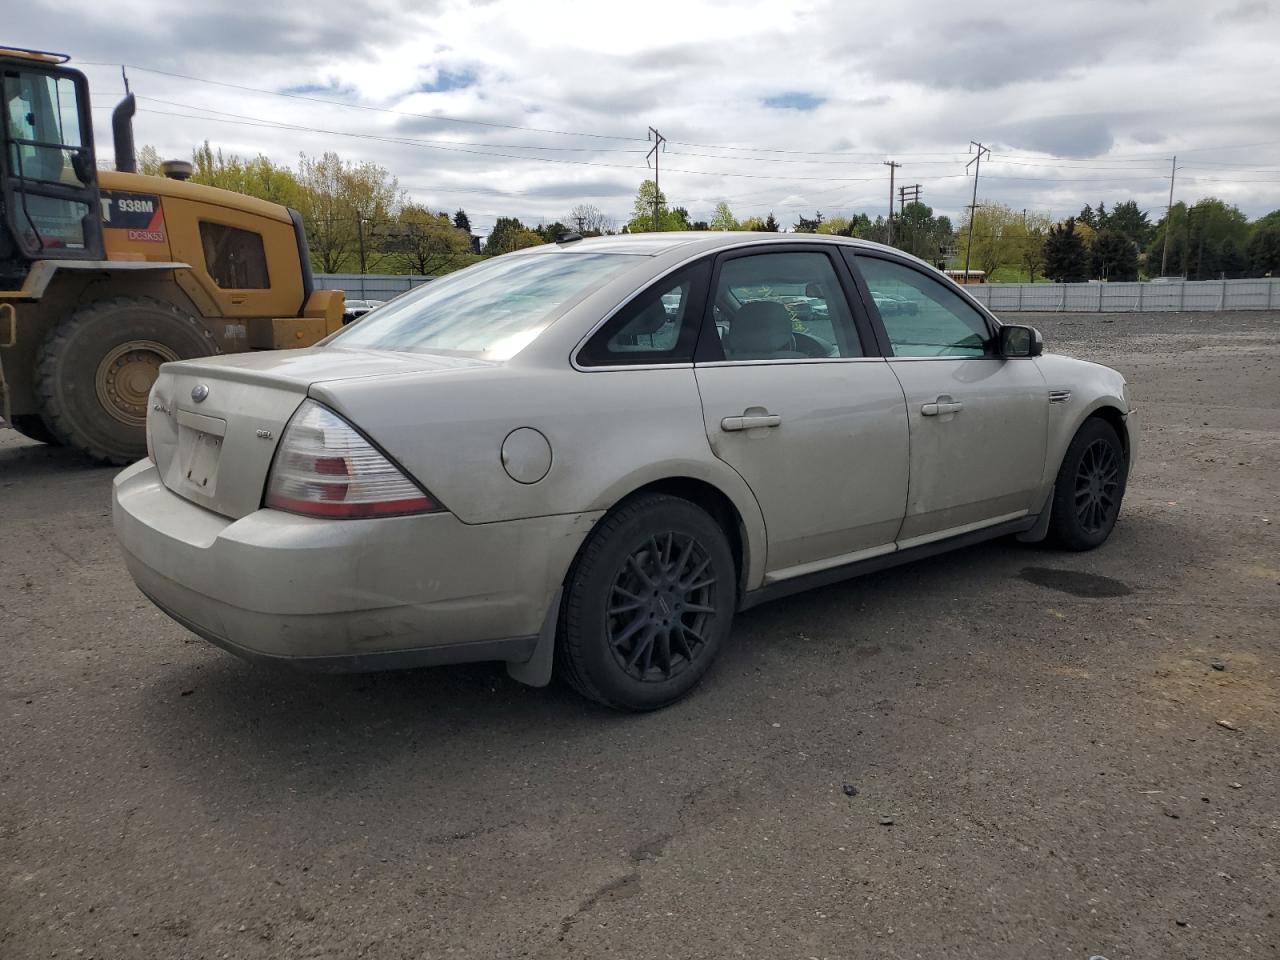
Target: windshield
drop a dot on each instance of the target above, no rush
(495, 308)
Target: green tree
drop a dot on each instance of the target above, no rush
(770, 224)
(1127, 218)
(425, 243)
(1115, 256)
(1065, 257)
(723, 219)
(805, 224)
(462, 221)
(642, 212)
(1264, 249)
(1026, 237)
(345, 207)
(752, 223)
(1087, 216)
(992, 247)
(1233, 261)
(510, 234)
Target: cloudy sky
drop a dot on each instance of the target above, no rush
(525, 108)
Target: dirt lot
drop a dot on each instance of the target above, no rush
(1044, 732)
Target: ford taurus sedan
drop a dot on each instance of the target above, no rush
(587, 457)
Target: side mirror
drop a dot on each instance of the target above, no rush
(80, 166)
(1018, 341)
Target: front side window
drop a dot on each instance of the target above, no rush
(235, 258)
(783, 306)
(494, 308)
(922, 315)
(42, 120)
(658, 326)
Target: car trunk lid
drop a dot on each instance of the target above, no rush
(214, 423)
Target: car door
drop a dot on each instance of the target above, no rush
(978, 421)
(798, 405)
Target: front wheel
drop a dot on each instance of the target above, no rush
(648, 604)
(1089, 488)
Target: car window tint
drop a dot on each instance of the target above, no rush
(657, 326)
(923, 316)
(783, 306)
(494, 308)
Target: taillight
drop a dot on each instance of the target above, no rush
(324, 468)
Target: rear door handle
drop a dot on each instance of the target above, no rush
(748, 422)
(943, 405)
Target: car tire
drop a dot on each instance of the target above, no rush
(1089, 488)
(647, 605)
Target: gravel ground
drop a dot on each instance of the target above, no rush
(1006, 752)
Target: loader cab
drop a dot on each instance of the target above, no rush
(49, 198)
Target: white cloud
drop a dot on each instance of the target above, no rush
(1116, 86)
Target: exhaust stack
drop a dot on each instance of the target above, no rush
(122, 134)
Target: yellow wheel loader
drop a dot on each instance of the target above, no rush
(105, 275)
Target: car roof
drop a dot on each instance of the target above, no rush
(690, 241)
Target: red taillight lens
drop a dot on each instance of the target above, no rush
(324, 468)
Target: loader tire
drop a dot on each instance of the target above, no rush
(32, 427)
(95, 370)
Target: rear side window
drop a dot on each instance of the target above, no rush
(659, 325)
(235, 258)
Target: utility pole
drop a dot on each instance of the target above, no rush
(976, 163)
(1168, 223)
(360, 234)
(658, 141)
(893, 165)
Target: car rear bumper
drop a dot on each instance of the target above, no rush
(344, 594)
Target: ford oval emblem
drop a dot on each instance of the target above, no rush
(199, 392)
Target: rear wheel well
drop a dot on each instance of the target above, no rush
(710, 499)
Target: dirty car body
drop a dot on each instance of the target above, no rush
(593, 453)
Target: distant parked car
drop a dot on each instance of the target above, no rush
(355, 309)
(594, 453)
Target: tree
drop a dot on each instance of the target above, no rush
(770, 224)
(1233, 262)
(1264, 249)
(723, 218)
(510, 234)
(590, 221)
(551, 232)
(642, 212)
(1115, 256)
(1065, 260)
(344, 206)
(836, 227)
(1027, 238)
(462, 221)
(149, 161)
(1128, 219)
(805, 224)
(425, 243)
(1087, 216)
(917, 231)
(752, 223)
(991, 247)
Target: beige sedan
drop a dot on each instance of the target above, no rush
(586, 457)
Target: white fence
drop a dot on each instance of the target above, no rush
(1175, 295)
(1263, 294)
(373, 286)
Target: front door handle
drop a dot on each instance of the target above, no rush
(940, 407)
(747, 422)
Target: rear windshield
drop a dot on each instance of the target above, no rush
(494, 308)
